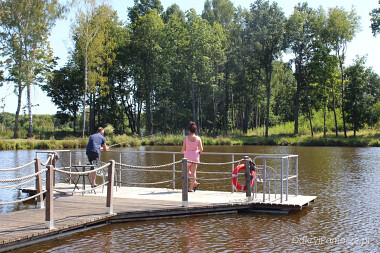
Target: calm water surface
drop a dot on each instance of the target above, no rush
(346, 216)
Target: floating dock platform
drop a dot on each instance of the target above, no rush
(75, 213)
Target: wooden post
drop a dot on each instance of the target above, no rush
(40, 198)
(247, 179)
(111, 175)
(185, 193)
(49, 220)
(53, 157)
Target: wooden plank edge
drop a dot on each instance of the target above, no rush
(55, 233)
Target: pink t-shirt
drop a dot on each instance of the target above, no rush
(192, 150)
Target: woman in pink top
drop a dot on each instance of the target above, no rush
(192, 148)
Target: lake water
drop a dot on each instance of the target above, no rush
(345, 217)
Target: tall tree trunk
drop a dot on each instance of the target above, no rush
(148, 113)
(92, 113)
(343, 115)
(199, 113)
(311, 123)
(341, 59)
(193, 96)
(324, 111)
(296, 107)
(85, 94)
(30, 116)
(232, 111)
(165, 119)
(334, 109)
(268, 81)
(214, 121)
(91, 116)
(29, 100)
(138, 121)
(246, 117)
(19, 100)
(324, 121)
(75, 121)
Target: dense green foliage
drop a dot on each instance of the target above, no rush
(375, 21)
(50, 134)
(221, 69)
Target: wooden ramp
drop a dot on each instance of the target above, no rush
(74, 212)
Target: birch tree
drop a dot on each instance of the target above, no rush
(25, 29)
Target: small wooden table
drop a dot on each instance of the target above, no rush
(83, 167)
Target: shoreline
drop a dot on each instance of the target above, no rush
(176, 140)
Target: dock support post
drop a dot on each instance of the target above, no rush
(185, 194)
(49, 220)
(40, 198)
(247, 179)
(54, 157)
(111, 173)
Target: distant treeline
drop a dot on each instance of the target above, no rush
(221, 69)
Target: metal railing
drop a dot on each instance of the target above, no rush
(282, 173)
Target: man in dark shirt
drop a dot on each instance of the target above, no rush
(95, 144)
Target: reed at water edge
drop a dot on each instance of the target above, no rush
(363, 139)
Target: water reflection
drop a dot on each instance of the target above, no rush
(344, 218)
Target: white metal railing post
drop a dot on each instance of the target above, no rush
(232, 185)
(264, 177)
(173, 171)
(287, 178)
(282, 179)
(297, 175)
(119, 170)
(111, 178)
(70, 161)
(49, 217)
(185, 193)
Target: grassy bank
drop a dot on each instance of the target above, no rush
(364, 139)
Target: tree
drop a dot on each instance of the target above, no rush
(173, 10)
(142, 7)
(357, 102)
(221, 11)
(172, 101)
(218, 58)
(147, 34)
(94, 49)
(283, 92)
(26, 26)
(198, 61)
(375, 21)
(64, 89)
(301, 31)
(324, 78)
(267, 28)
(341, 28)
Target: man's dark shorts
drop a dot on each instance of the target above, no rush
(93, 157)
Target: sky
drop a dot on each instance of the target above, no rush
(364, 44)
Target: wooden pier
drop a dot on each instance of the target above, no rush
(75, 213)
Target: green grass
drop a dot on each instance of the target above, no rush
(279, 135)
